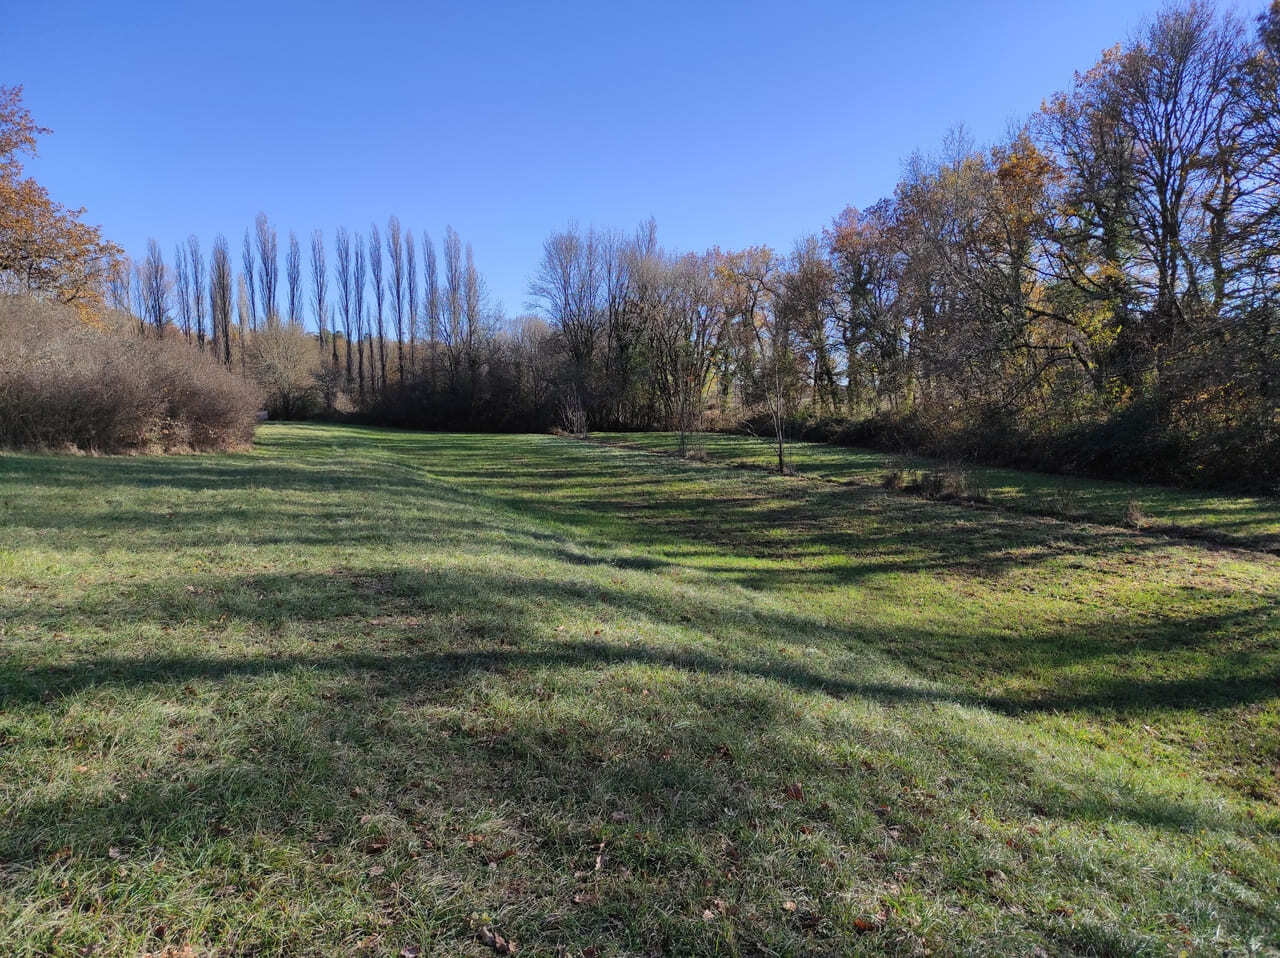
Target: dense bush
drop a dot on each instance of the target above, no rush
(66, 384)
(1162, 439)
(286, 363)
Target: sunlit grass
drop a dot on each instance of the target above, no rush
(1246, 520)
(360, 691)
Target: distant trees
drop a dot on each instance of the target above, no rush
(1095, 291)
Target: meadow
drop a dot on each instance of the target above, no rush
(361, 691)
(1249, 520)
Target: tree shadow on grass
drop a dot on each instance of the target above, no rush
(757, 532)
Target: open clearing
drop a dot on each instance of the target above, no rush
(1251, 521)
(364, 691)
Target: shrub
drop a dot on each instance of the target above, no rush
(66, 384)
(952, 482)
(1134, 517)
(1064, 500)
(895, 479)
(288, 365)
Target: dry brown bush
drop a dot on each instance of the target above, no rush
(65, 384)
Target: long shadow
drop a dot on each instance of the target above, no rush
(628, 498)
(407, 605)
(453, 692)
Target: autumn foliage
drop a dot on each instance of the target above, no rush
(45, 249)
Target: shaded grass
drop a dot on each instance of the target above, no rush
(1251, 521)
(362, 690)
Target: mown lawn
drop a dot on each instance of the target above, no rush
(371, 692)
(1252, 521)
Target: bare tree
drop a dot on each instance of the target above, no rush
(195, 263)
(346, 292)
(473, 331)
(320, 292)
(451, 328)
(247, 272)
(379, 302)
(268, 268)
(749, 283)
(411, 290)
(431, 306)
(220, 299)
(567, 289)
(155, 289)
(182, 290)
(118, 282)
(357, 287)
(293, 282)
(245, 313)
(395, 251)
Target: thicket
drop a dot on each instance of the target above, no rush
(68, 384)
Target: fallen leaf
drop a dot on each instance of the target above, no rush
(376, 870)
(795, 792)
(788, 905)
(502, 946)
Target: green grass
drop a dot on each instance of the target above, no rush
(362, 691)
(1252, 521)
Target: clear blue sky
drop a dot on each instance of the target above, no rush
(731, 123)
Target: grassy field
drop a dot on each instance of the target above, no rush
(370, 692)
(1251, 521)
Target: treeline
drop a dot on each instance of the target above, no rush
(382, 325)
(1096, 293)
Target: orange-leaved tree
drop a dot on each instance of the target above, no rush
(45, 249)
